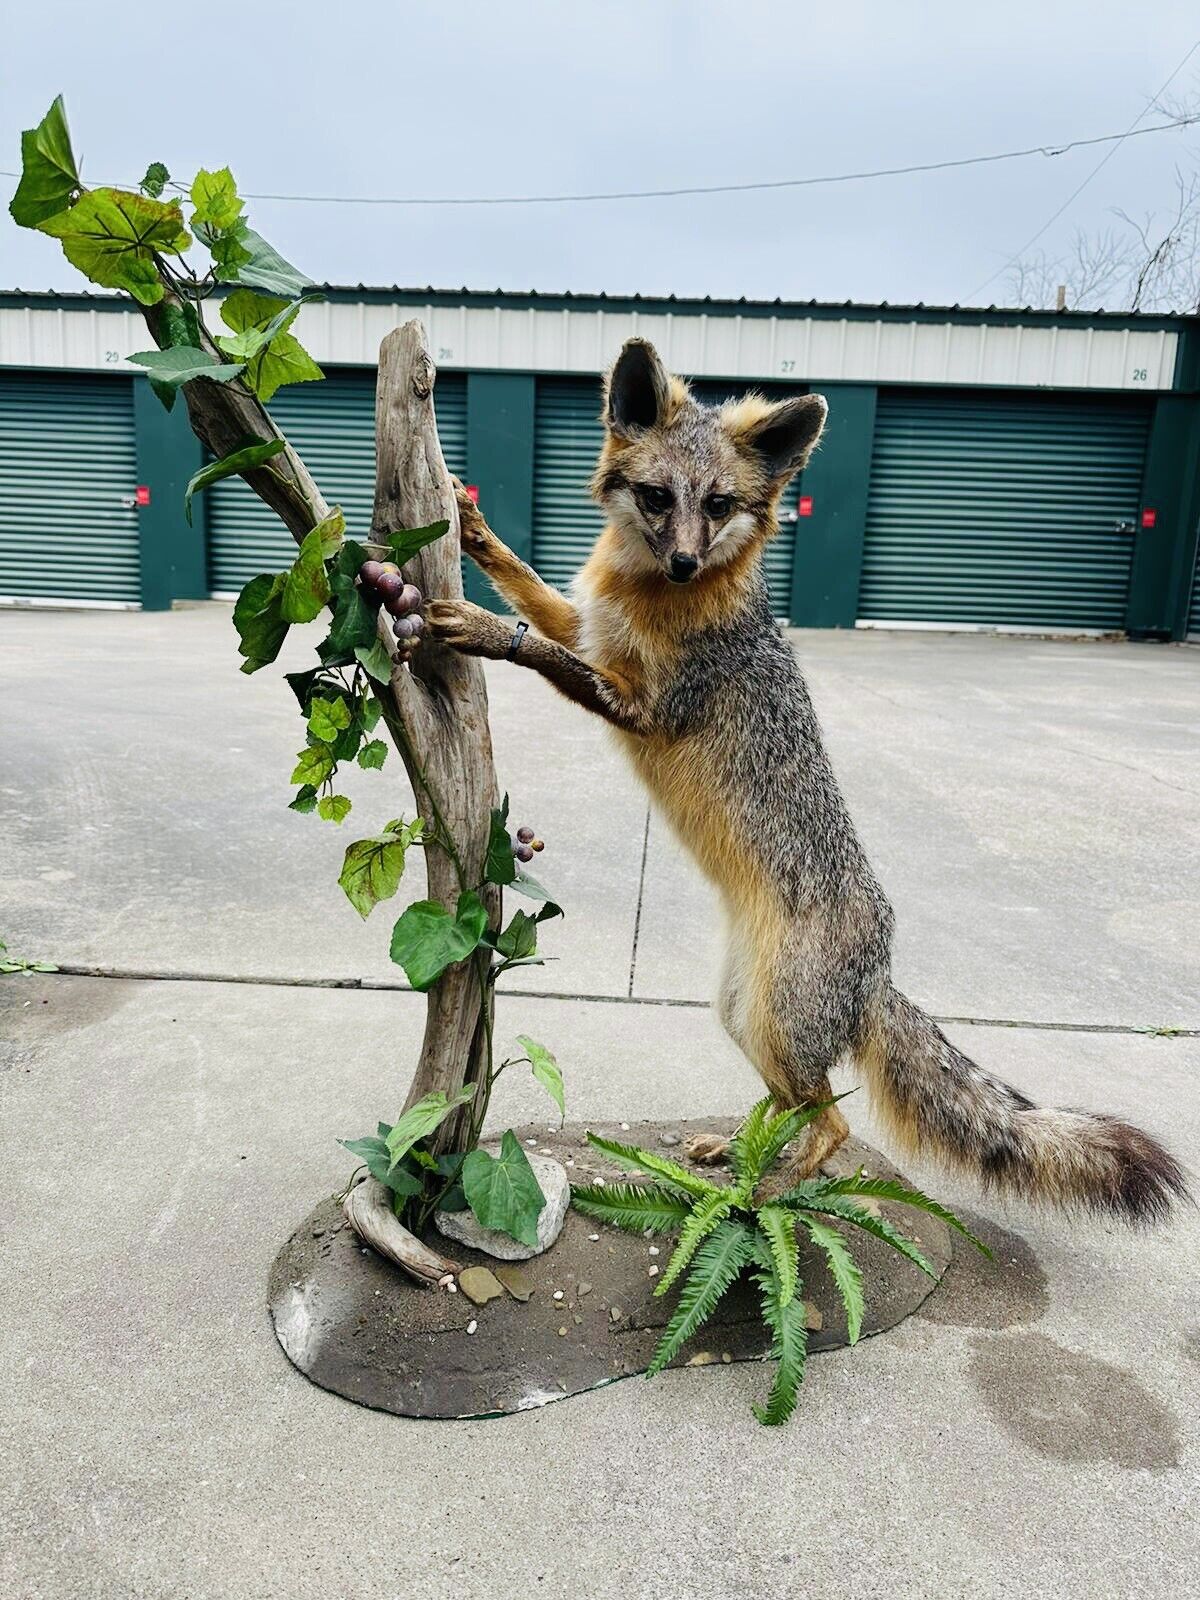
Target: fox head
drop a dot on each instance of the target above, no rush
(686, 486)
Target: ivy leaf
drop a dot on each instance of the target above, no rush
(333, 808)
(545, 1070)
(179, 329)
(266, 269)
(373, 754)
(112, 236)
(260, 338)
(313, 765)
(302, 685)
(327, 718)
(519, 939)
(503, 1191)
(259, 621)
(215, 197)
(419, 1121)
(500, 865)
(427, 939)
(49, 177)
(373, 1152)
(372, 869)
(370, 713)
(306, 591)
(305, 801)
(405, 544)
(353, 620)
(177, 366)
(155, 180)
(524, 884)
(377, 664)
(243, 460)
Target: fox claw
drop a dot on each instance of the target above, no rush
(467, 628)
(706, 1148)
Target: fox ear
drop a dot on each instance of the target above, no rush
(784, 435)
(638, 390)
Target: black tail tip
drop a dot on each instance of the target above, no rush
(1148, 1182)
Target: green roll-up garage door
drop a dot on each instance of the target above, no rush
(332, 425)
(1002, 510)
(1193, 626)
(567, 439)
(68, 471)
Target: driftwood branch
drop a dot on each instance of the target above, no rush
(368, 1210)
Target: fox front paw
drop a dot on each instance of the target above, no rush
(475, 537)
(706, 1148)
(467, 628)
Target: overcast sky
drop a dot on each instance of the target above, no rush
(375, 97)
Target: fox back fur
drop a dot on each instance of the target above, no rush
(671, 639)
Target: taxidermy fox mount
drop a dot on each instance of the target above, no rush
(670, 638)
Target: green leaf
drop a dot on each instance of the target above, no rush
(244, 459)
(370, 713)
(519, 940)
(155, 180)
(789, 1341)
(422, 1119)
(307, 590)
(779, 1230)
(628, 1155)
(374, 1153)
(545, 1069)
(706, 1214)
(503, 1192)
(405, 545)
(112, 236)
(427, 939)
(635, 1207)
(354, 622)
(259, 621)
(500, 864)
(265, 268)
(260, 339)
(227, 248)
(522, 883)
(49, 177)
(373, 754)
(835, 1205)
(843, 1268)
(313, 765)
(746, 1146)
(372, 869)
(305, 801)
(180, 365)
(716, 1266)
(888, 1189)
(215, 197)
(302, 685)
(377, 664)
(334, 808)
(327, 718)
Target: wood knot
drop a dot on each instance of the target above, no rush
(424, 375)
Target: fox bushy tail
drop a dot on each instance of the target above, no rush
(937, 1102)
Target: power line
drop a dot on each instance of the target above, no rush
(1049, 151)
(1129, 133)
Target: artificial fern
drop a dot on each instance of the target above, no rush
(725, 1230)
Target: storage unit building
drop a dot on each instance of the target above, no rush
(981, 468)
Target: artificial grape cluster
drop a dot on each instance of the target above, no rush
(524, 844)
(381, 584)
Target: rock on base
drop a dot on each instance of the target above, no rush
(463, 1226)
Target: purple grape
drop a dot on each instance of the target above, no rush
(537, 844)
(370, 573)
(412, 597)
(403, 628)
(523, 853)
(417, 624)
(388, 588)
(525, 835)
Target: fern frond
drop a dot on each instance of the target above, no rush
(789, 1339)
(635, 1207)
(779, 1230)
(703, 1219)
(837, 1205)
(628, 1155)
(843, 1268)
(746, 1144)
(783, 1128)
(717, 1264)
(888, 1189)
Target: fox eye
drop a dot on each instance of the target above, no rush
(654, 497)
(719, 505)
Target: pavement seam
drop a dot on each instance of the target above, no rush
(637, 920)
(145, 974)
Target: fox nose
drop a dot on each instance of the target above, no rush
(682, 567)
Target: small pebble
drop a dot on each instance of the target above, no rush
(531, 1141)
(453, 1288)
(562, 1333)
(615, 1313)
(472, 1325)
(625, 1126)
(578, 1320)
(558, 1294)
(668, 1138)
(726, 1357)
(584, 1288)
(592, 1236)
(653, 1273)
(653, 1249)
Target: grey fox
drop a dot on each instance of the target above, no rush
(670, 638)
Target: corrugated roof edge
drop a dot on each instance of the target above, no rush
(663, 304)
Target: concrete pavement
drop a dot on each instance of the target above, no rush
(1032, 809)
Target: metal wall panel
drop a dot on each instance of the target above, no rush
(68, 470)
(567, 523)
(1002, 510)
(1193, 625)
(332, 425)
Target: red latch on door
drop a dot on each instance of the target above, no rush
(1149, 517)
(141, 495)
(804, 508)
